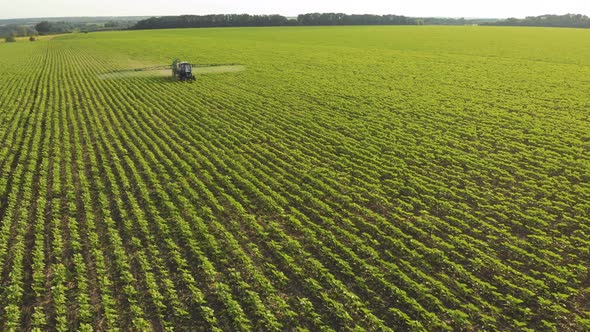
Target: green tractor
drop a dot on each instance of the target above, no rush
(183, 71)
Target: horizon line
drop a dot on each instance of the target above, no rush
(130, 16)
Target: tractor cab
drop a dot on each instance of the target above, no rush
(183, 71)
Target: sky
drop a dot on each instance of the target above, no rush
(439, 8)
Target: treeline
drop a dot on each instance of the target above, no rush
(245, 20)
(562, 21)
(344, 19)
(50, 28)
(24, 28)
(14, 30)
(208, 21)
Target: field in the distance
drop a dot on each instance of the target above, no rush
(368, 178)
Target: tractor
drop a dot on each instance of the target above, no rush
(183, 71)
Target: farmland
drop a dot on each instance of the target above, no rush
(339, 178)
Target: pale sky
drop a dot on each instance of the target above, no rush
(444, 8)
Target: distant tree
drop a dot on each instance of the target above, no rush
(43, 27)
(23, 30)
(112, 24)
(10, 39)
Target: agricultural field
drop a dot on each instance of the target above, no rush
(325, 179)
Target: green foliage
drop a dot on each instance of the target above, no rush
(44, 27)
(349, 179)
(16, 30)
